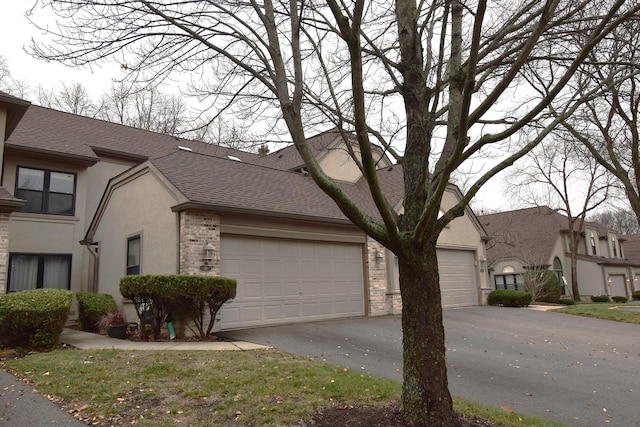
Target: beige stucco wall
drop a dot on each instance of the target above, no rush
(146, 203)
(60, 234)
(3, 129)
(337, 163)
(50, 234)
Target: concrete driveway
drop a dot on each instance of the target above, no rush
(574, 370)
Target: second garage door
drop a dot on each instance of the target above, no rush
(457, 278)
(285, 281)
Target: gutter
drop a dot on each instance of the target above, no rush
(94, 253)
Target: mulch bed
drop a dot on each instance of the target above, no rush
(367, 416)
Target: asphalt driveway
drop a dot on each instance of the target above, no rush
(575, 370)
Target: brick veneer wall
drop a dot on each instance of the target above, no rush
(196, 228)
(382, 299)
(4, 251)
(377, 271)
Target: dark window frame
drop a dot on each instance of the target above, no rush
(46, 192)
(40, 272)
(134, 269)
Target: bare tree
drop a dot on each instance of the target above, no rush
(608, 125)
(562, 175)
(8, 83)
(459, 73)
(623, 221)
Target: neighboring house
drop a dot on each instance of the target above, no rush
(105, 200)
(539, 237)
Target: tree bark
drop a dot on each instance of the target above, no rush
(426, 400)
(574, 268)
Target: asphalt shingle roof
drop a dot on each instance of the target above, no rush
(528, 234)
(46, 130)
(218, 182)
(288, 157)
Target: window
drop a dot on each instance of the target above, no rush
(33, 271)
(557, 269)
(509, 281)
(615, 246)
(46, 191)
(133, 255)
(593, 244)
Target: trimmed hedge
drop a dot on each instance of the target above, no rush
(91, 308)
(636, 295)
(188, 296)
(600, 298)
(566, 301)
(619, 299)
(509, 298)
(34, 319)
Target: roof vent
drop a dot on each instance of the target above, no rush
(180, 147)
(234, 158)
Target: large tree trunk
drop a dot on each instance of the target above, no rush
(574, 269)
(425, 396)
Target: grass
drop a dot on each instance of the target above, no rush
(604, 311)
(249, 388)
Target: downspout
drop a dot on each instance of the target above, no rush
(94, 253)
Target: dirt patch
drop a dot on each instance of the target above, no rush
(367, 416)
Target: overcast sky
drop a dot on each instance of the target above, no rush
(16, 33)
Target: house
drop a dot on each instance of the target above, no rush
(539, 237)
(105, 200)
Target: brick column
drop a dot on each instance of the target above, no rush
(196, 228)
(377, 271)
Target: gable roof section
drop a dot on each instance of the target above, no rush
(631, 247)
(222, 184)
(50, 132)
(528, 234)
(288, 158)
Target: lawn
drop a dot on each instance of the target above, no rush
(247, 388)
(605, 311)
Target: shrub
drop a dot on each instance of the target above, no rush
(566, 301)
(543, 285)
(600, 298)
(34, 319)
(188, 295)
(636, 295)
(91, 308)
(509, 298)
(619, 299)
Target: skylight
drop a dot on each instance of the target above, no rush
(180, 147)
(234, 158)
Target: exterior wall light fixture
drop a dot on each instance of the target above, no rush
(378, 257)
(209, 251)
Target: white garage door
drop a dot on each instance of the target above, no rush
(286, 281)
(457, 278)
(618, 287)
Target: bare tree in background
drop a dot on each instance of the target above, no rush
(8, 83)
(623, 221)
(608, 125)
(561, 174)
(445, 80)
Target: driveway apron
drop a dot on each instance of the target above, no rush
(574, 370)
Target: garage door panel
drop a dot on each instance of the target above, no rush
(458, 284)
(284, 281)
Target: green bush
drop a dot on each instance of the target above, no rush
(566, 301)
(509, 298)
(91, 308)
(600, 298)
(190, 296)
(636, 295)
(34, 319)
(619, 299)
